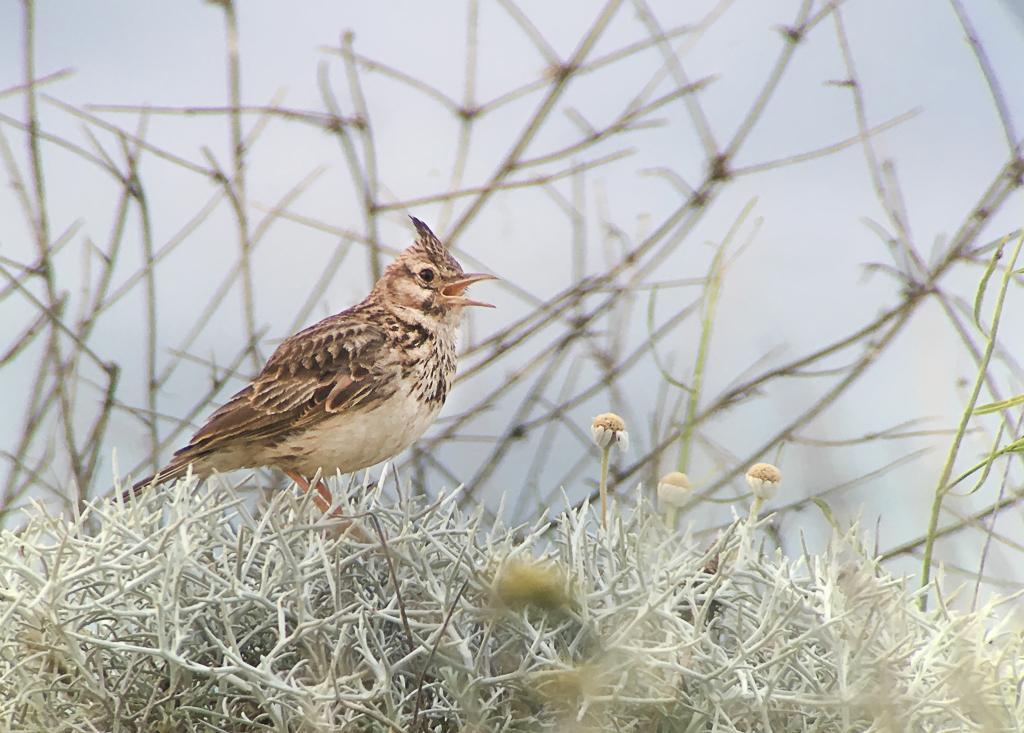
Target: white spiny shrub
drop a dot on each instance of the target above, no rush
(183, 611)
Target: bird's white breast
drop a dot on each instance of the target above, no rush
(348, 442)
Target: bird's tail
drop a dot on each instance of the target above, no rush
(171, 471)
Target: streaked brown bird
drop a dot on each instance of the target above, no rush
(350, 391)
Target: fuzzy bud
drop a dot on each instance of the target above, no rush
(674, 489)
(763, 479)
(609, 429)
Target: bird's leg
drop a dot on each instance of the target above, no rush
(324, 494)
(322, 498)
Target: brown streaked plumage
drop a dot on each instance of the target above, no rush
(350, 391)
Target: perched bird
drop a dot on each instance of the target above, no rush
(350, 391)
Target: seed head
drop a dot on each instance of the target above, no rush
(674, 489)
(763, 479)
(609, 429)
(528, 582)
(565, 687)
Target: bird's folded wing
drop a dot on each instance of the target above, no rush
(326, 369)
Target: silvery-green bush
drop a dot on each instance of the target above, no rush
(184, 610)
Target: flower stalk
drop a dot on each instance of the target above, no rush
(607, 429)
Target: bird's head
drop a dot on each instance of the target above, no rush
(426, 277)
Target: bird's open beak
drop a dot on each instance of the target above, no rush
(453, 291)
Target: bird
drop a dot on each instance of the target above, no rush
(350, 391)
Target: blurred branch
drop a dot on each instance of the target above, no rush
(574, 338)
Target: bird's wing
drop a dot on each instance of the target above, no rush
(331, 367)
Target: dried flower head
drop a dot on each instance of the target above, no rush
(609, 429)
(565, 687)
(763, 479)
(674, 489)
(527, 582)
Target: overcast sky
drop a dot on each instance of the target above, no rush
(800, 283)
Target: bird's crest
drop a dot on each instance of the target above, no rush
(428, 242)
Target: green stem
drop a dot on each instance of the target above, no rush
(944, 486)
(712, 291)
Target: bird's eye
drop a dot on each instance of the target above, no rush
(426, 274)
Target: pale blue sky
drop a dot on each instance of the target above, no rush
(800, 283)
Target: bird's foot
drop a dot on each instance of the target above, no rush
(341, 524)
